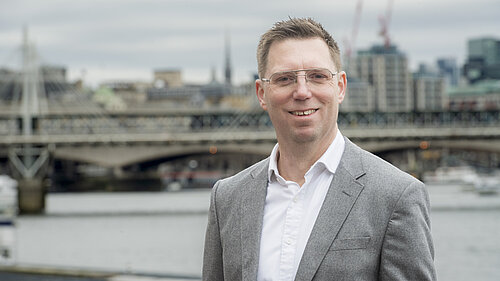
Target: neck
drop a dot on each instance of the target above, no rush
(295, 159)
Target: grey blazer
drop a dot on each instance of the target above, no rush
(373, 225)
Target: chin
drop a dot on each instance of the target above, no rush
(304, 138)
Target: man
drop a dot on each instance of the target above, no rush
(319, 208)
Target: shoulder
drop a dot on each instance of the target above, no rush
(258, 169)
(376, 173)
(387, 190)
(237, 182)
(380, 168)
(248, 185)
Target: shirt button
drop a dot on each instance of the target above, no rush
(289, 241)
(295, 200)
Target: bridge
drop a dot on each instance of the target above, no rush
(82, 136)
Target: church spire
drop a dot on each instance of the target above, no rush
(228, 59)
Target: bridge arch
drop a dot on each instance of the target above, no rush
(120, 156)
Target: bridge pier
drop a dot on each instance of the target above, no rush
(31, 196)
(30, 165)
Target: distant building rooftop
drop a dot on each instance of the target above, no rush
(167, 70)
(483, 87)
(381, 50)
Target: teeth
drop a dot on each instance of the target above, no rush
(302, 113)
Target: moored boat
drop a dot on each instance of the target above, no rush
(8, 213)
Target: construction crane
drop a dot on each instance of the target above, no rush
(350, 43)
(384, 24)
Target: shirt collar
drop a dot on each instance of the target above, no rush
(330, 159)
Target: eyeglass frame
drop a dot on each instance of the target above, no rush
(268, 80)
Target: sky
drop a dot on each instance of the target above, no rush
(105, 40)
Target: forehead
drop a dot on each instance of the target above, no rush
(291, 54)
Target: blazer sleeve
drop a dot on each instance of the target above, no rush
(212, 256)
(407, 250)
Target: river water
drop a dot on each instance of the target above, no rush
(162, 233)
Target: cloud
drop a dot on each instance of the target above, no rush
(132, 36)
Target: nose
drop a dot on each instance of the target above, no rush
(301, 91)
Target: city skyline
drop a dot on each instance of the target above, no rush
(105, 40)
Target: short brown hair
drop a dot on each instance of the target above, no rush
(295, 28)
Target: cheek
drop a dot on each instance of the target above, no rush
(277, 100)
(329, 97)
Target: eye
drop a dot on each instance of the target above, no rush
(283, 78)
(317, 76)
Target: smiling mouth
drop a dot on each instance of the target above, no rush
(303, 113)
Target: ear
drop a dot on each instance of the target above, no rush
(259, 90)
(342, 84)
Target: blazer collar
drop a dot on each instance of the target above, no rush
(352, 159)
(342, 194)
(252, 211)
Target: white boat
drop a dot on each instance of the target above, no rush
(8, 213)
(488, 184)
(8, 196)
(464, 175)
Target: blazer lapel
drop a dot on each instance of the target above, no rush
(339, 200)
(252, 213)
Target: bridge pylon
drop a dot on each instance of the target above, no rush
(27, 159)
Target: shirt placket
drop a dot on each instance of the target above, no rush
(291, 227)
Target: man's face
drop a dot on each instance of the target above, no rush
(302, 112)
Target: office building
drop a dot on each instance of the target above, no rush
(448, 68)
(480, 96)
(168, 78)
(429, 90)
(359, 97)
(486, 49)
(386, 71)
(483, 59)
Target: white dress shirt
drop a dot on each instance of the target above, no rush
(290, 213)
